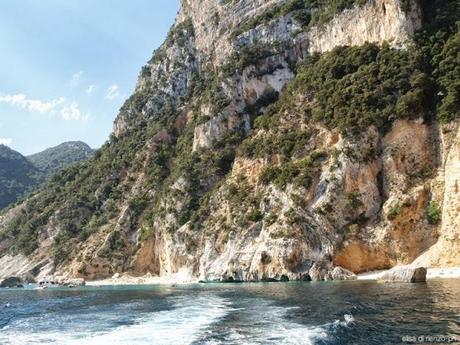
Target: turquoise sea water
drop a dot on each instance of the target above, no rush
(356, 312)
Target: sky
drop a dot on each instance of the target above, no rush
(66, 66)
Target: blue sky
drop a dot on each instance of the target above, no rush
(66, 66)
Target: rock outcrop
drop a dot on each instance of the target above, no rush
(54, 281)
(405, 274)
(11, 282)
(446, 251)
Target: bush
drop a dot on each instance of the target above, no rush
(254, 215)
(298, 173)
(394, 212)
(355, 87)
(433, 213)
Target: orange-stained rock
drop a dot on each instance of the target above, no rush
(359, 258)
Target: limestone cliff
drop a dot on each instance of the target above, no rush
(264, 140)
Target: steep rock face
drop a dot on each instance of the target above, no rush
(377, 21)
(446, 251)
(203, 39)
(164, 80)
(209, 177)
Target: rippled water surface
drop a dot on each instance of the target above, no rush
(264, 313)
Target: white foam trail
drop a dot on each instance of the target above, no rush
(273, 327)
(191, 320)
(179, 326)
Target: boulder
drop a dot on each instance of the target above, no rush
(405, 274)
(320, 271)
(11, 282)
(61, 281)
(325, 270)
(340, 273)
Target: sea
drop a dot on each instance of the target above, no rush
(350, 312)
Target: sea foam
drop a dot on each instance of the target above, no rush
(180, 325)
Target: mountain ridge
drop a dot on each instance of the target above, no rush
(55, 158)
(20, 175)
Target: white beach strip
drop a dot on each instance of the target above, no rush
(450, 272)
(373, 275)
(178, 278)
(432, 273)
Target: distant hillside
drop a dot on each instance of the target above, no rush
(18, 176)
(21, 175)
(53, 159)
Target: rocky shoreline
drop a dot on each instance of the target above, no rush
(180, 279)
(410, 274)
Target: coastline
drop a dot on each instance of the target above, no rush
(432, 273)
(183, 279)
(176, 279)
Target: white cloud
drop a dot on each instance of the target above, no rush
(20, 100)
(76, 78)
(90, 89)
(4, 141)
(113, 92)
(73, 112)
(68, 111)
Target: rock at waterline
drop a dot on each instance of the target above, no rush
(11, 282)
(61, 281)
(405, 274)
(325, 270)
(340, 273)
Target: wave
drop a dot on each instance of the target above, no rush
(181, 325)
(191, 320)
(264, 323)
(287, 333)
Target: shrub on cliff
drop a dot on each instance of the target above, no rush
(433, 213)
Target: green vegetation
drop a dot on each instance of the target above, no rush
(298, 173)
(394, 211)
(355, 87)
(433, 213)
(18, 176)
(202, 170)
(349, 88)
(179, 34)
(354, 200)
(209, 91)
(449, 78)
(438, 50)
(282, 142)
(21, 175)
(52, 160)
(84, 193)
(247, 56)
